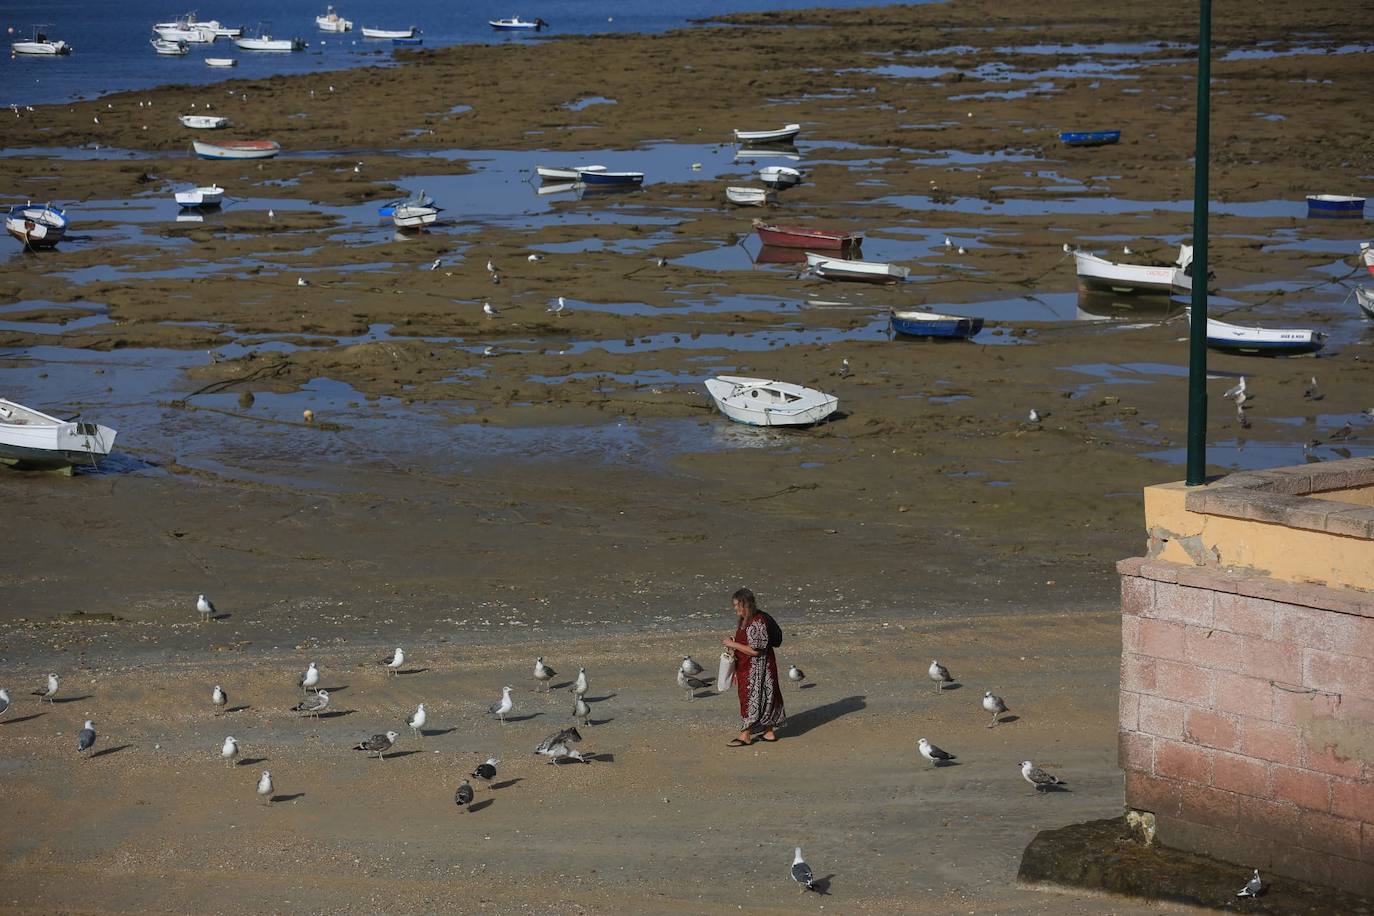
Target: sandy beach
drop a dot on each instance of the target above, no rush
(486, 490)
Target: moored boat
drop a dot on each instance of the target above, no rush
(916, 323)
(191, 34)
(237, 149)
(600, 178)
(168, 48)
(785, 134)
(264, 41)
(568, 173)
(779, 176)
(36, 226)
(32, 439)
(390, 33)
(516, 24)
(750, 197)
(189, 23)
(419, 199)
(408, 40)
(203, 122)
(221, 62)
(332, 22)
(205, 197)
(40, 45)
(806, 237)
(1089, 137)
(1095, 273)
(1334, 205)
(414, 216)
(831, 268)
(765, 402)
(1236, 338)
(1364, 298)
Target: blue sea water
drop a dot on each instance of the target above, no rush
(112, 51)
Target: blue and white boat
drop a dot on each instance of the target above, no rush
(1263, 341)
(620, 179)
(1335, 205)
(516, 24)
(420, 199)
(911, 323)
(409, 40)
(1089, 137)
(36, 226)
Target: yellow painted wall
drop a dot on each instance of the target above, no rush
(1360, 496)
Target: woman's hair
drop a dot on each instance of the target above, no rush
(746, 597)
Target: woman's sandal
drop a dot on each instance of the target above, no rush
(735, 742)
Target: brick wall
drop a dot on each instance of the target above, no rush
(1247, 719)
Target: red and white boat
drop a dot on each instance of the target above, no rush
(237, 149)
(806, 237)
(1367, 256)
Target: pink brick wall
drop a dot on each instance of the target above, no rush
(1247, 723)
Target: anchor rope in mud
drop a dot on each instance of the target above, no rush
(258, 374)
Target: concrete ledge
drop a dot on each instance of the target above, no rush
(1107, 857)
(1285, 496)
(1251, 585)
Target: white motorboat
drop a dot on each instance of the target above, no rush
(36, 226)
(264, 41)
(203, 198)
(750, 197)
(332, 22)
(764, 402)
(829, 268)
(785, 134)
(390, 33)
(569, 173)
(170, 48)
(31, 439)
(40, 45)
(779, 176)
(221, 62)
(189, 22)
(414, 216)
(1275, 341)
(1095, 273)
(182, 31)
(516, 24)
(237, 149)
(203, 122)
(1365, 299)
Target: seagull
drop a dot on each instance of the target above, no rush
(500, 709)
(939, 674)
(559, 745)
(1034, 416)
(660, 262)
(393, 664)
(1345, 432)
(542, 672)
(301, 281)
(949, 243)
(85, 738)
(310, 678)
(1313, 393)
(1237, 392)
(1252, 887)
(486, 770)
(435, 265)
(4, 701)
(96, 119)
(962, 250)
(1038, 777)
(219, 698)
(579, 686)
(689, 684)
(1067, 249)
(230, 750)
(491, 268)
(488, 310)
(1126, 249)
(265, 787)
(378, 743)
(933, 753)
(357, 167)
(796, 675)
(535, 258)
(417, 721)
(313, 706)
(844, 368)
(557, 307)
(995, 705)
(207, 610)
(581, 711)
(271, 214)
(51, 690)
(801, 872)
(689, 666)
(463, 797)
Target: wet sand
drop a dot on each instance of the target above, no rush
(570, 492)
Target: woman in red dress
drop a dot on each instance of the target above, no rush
(756, 673)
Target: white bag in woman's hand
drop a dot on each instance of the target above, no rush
(727, 671)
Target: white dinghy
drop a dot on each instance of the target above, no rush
(1095, 273)
(565, 173)
(780, 176)
(1365, 299)
(750, 197)
(389, 33)
(414, 216)
(764, 402)
(203, 122)
(203, 198)
(31, 439)
(782, 135)
(828, 268)
(221, 62)
(168, 48)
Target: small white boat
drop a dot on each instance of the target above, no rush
(191, 34)
(221, 62)
(750, 153)
(414, 216)
(207, 197)
(1224, 336)
(170, 48)
(237, 149)
(781, 135)
(1365, 299)
(31, 439)
(828, 268)
(40, 45)
(389, 33)
(189, 23)
(516, 24)
(750, 197)
(569, 173)
(203, 122)
(779, 176)
(36, 226)
(764, 402)
(333, 22)
(1096, 273)
(264, 41)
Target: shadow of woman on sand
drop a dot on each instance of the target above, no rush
(808, 719)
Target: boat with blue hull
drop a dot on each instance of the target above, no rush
(1089, 137)
(605, 179)
(1236, 338)
(910, 323)
(1335, 205)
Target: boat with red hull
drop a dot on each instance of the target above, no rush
(806, 237)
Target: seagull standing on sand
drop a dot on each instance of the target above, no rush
(949, 243)
(1038, 777)
(313, 706)
(801, 872)
(1126, 250)
(542, 672)
(1313, 393)
(4, 701)
(50, 691)
(933, 753)
(463, 797)
(435, 265)
(939, 674)
(689, 666)
(393, 664)
(488, 310)
(207, 610)
(229, 751)
(995, 705)
(378, 744)
(301, 281)
(796, 675)
(535, 258)
(962, 250)
(310, 678)
(219, 698)
(689, 684)
(417, 721)
(579, 687)
(85, 738)
(844, 368)
(557, 307)
(581, 711)
(491, 268)
(500, 709)
(1237, 392)
(1252, 887)
(265, 787)
(1033, 416)
(486, 770)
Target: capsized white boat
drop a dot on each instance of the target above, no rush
(221, 62)
(565, 173)
(332, 22)
(41, 45)
(389, 33)
(1095, 273)
(830, 268)
(764, 402)
(782, 135)
(750, 197)
(36, 226)
(32, 439)
(414, 216)
(203, 122)
(210, 196)
(779, 176)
